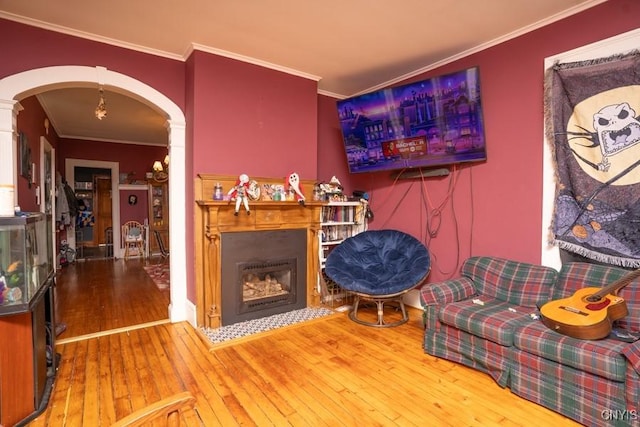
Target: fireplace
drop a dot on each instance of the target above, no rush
(263, 273)
(217, 226)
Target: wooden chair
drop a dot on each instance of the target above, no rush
(168, 409)
(133, 237)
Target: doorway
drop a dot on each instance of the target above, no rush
(92, 188)
(93, 185)
(15, 87)
(47, 194)
(104, 208)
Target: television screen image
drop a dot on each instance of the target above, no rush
(426, 124)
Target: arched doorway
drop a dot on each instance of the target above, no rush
(19, 86)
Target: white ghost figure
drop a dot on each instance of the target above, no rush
(294, 182)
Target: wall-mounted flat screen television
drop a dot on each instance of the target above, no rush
(426, 124)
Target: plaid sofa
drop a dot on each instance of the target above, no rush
(488, 319)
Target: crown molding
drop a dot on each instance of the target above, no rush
(519, 32)
(249, 60)
(331, 94)
(195, 46)
(88, 36)
(131, 46)
(112, 141)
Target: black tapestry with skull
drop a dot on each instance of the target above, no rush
(594, 128)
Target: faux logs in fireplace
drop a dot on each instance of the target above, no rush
(263, 273)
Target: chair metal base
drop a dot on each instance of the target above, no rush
(394, 300)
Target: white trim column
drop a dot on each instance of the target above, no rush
(8, 145)
(178, 223)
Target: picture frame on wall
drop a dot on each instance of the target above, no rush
(25, 156)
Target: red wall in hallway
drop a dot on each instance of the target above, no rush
(31, 123)
(135, 160)
(134, 212)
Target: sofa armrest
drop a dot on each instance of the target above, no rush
(434, 296)
(632, 353)
(632, 382)
(447, 292)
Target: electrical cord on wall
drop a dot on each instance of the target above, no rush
(432, 232)
(388, 198)
(384, 202)
(433, 215)
(397, 206)
(434, 219)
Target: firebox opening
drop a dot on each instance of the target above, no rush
(262, 273)
(267, 284)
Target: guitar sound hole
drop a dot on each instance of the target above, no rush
(593, 298)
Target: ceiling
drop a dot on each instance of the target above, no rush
(349, 47)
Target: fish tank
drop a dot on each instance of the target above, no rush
(26, 260)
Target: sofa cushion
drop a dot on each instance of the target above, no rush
(577, 275)
(515, 282)
(574, 276)
(494, 320)
(600, 357)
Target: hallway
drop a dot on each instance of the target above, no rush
(99, 295)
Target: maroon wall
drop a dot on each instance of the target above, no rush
(250, 119)
(134, 212)
(332, 160)
(31, 123)
(31, 47)
(135, 160)
(494, 208)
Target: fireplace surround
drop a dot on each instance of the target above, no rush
(215, 222)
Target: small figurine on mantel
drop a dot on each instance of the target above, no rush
(294, 184)
(239, 193)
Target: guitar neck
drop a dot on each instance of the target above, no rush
(618, 284)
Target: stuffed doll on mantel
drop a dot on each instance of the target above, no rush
(239, 193)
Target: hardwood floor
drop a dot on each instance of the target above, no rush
(104, 294)
(327, 372)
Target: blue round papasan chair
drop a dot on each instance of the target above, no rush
(379, 266)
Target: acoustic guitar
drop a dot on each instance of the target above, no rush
(589, 313)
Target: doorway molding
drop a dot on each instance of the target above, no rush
(70, 166)
(47, 150)
(27, 83)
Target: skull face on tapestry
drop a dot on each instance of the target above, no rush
(617, 128)
(593, 111)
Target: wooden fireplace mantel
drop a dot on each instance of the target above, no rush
(216, 217)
